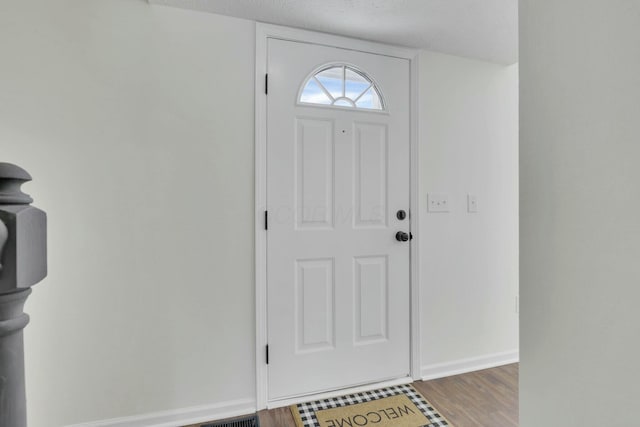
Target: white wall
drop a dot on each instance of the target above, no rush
(136, 123)
(580, 228)
(469, 271)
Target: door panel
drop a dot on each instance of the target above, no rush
(314, 173)
(337, 279)
(370, 175)
(370, 309)
(314, 304)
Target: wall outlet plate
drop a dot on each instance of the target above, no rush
(437, 202)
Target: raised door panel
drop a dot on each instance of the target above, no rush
(314, 173)
(315, 290)
(370, 175)
(371, 298)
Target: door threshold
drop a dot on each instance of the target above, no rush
(279, 403)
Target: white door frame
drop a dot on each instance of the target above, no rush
(263, 33)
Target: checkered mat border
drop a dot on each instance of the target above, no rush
(308, 416)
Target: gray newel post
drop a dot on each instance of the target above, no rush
(23, 263)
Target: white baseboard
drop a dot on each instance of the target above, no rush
(180, 417)
(234, 408)
(462, 366)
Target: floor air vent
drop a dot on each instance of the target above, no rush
(250, 421)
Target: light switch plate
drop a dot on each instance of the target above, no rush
(472, 203)
(437, 203)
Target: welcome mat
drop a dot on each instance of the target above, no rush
(398, 406)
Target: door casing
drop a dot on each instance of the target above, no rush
(263, 33)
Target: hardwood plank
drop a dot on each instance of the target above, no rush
(487, 398)
(280, 417)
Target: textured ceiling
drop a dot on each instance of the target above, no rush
(482, 29)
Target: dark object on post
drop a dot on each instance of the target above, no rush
(23, 263)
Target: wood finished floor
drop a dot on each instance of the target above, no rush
(487, 398)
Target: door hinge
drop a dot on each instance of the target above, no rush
(266, 84)
(267, 354)
(266, 220)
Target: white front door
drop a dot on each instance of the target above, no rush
(337, 175)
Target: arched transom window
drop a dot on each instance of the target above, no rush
(341, 86)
